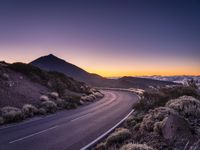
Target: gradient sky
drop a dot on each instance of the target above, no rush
(111, 38)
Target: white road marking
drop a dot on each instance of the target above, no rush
(81, 117)
(89, 113)
(37, 118)
(31, 135)
(106, 133)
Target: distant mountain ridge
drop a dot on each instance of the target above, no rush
(53, 63)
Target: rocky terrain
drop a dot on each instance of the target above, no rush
(164, 119)
(26, 91)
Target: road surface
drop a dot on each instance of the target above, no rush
(68, 130)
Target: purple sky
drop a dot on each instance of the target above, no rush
(112, 38)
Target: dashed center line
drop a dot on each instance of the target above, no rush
(31, 135)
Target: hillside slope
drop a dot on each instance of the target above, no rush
(53, 63)
(21, 83)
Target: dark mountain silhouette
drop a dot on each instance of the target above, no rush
(53, 63)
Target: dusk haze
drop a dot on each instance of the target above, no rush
(99, 74)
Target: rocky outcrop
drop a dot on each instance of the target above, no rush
(176, 127)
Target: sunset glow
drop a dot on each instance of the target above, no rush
(102, 38)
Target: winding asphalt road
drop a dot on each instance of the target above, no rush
(68, 130)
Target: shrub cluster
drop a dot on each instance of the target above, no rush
(153, 121)
(49, 106)
(119, 136)
(160, 116)
(132, 146)
(50, 103)
(159, 97)
(91, 97)
(11, 114)
(186, 106)
(29, 110)
(44, 98)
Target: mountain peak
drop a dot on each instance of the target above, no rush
(53, 63)
(51, 55)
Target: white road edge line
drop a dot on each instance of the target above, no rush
(31, 135)
(106, 133)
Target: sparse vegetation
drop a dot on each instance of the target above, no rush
(153, 121)
(29, 110)
(159, 97)
(119, 136)
(49, 106)
(55, 81)
(42, 111)
(164, 118)
(44, 98)
(11, 114)
(54, 95)
(186, 106)
(33, 91)
(132, 146)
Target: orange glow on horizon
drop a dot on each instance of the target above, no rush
(172, 72)
(116, 66)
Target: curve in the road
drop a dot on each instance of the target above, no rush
(69, 129)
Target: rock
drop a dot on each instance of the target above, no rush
(176, 127)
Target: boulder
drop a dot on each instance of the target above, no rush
(176, 127)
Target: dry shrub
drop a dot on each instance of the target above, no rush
(60, 103)
(29, 110)
(131, 121)
(186, 106)
(150, 100)
(177, 91)
(11, 114)
(119, 136)
(54, 95)
(44, 98)
(88, 98)
(49, 106)
(100, 146)
(98, 94)
(195, 146)
(153, 121)
(1, 120)
(132, 146)
(159, 97)
(42, 111)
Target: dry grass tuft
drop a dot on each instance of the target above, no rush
(54, 95)
(119, 136)
(11, 114)
(49, 106)
(132, 146)
(44, 98)
(29, 110)
(153, 121)
(185, 106)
